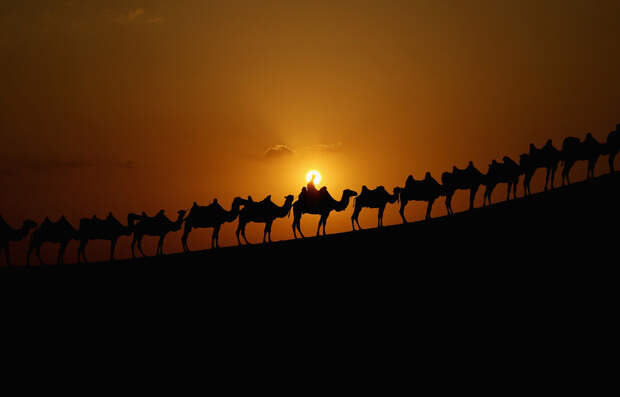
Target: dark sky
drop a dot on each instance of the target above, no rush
(127, 106)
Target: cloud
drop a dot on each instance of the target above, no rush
(278, 151)
(136, 15)
(133, 14)
(330, 148)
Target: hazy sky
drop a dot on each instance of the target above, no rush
(127, 106)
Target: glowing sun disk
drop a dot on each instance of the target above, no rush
(317, 176)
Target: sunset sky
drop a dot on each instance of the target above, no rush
(130, 106)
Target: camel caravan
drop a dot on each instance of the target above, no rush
(318, 202)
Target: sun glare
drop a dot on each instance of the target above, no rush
(317, 176)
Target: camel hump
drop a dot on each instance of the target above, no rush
(365, 189)
(409, 180)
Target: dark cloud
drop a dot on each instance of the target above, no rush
(278, 151)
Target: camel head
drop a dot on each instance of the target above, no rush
(28, 224)
(68, 228)
(348, 193)
(396, 192)
(238, 202)
(288, 202)
(288, 199)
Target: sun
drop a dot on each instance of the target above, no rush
(317, 176)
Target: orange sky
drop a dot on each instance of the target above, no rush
(127, 106)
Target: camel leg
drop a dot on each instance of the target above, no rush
(140, 246)
(403, 204)
(237, 233)
(356, 213)
(508, 191)
(133, 244)
(269, 224)
(6, 254)
(612, 157)
(244, 237)
(112, 247)
(318, 229)
(449, 203)
(325, 223)
(429, 208)
(472, 196)
(514, 188)
(61, 254)
(381, 210)
(187, 227)
(30, 249)
(553, 170)
(38, 253)
(81, 250)
(299, 227)
(484, 196)
(160, 246)
(547, 179)
(216, 235)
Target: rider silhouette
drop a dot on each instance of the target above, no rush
(311, 189)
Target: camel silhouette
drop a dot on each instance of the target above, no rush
(613, 146)
(159, 225)
(506, 172)
(8, 234)
(60, 232)
(547, 157)
(427, 190)
(377, 198)
(468, 179)
(322, 205)
(212, 215)
(109, 229)
(528, 168)
(263, 212)
(573, 150)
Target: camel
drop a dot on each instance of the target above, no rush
(322, 205)
(159, 225)
(60, 232)
(468, 179)
(506, 172)
(573, 150)
(613, 146)
(8, 234)
(528, 168)
(212, 215)
(547, 157)
(266, 212)
(427, 190)
(377, 198)
(102, 229)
